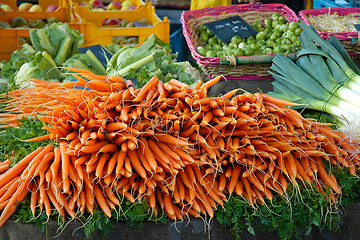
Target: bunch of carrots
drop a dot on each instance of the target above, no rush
(167, 143)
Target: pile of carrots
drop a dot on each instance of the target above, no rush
(172, 145)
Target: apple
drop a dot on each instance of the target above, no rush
(6, 8)
(86, 4)
(36, 8)
(98, 7)
(96, 3)
(24, 7)
(114, 6)
(112, 21)
(132, 7)
(51, 8)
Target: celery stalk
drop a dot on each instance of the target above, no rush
(61, 55)
(135, 65)
(45, 41)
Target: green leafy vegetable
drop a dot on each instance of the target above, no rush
(52, 46)
(152, 58)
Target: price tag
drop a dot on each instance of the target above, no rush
(226, 28)
(357, 26)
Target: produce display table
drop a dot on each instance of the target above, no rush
(194, 229)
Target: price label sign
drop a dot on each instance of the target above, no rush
(227, 28)
(357, 26)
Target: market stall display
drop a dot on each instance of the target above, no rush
(136, 136)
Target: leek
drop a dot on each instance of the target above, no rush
(323, 77)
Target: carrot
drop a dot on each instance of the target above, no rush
(11, 190)
(234, 177)
(55, 202)
(33, 198)
(18, 168)
(135, 162)
(7, 186)
(239, 188)
(268, 98)
(289, 159)
(170, 139)
(110, 194)
(326, 179)
(100, 199)
(208, 84)
(168, 204)
(128, 166)
(185, 179)
(4, 166)
(44, 199)
(120, 161)
(116, 126)
(108, 148)
(93, 148)
(40, 138)
(229, 94)
(150, 84)
(204, 200)
(301, 171)
(44, 162)
(18, 196)
(65, 161)
(101, 163)
(305, 163)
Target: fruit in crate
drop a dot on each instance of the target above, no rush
(19, 22)
(86, 4)
(96, 4)
(98, 8)
(132, 7)
(126, 4)
(275, 35)
(24, 7)
(112, 21)
(37, 23)
(4, 25)
(52, 20)
(6, 8)
(51, 8)
(36, 8)
(114, 6)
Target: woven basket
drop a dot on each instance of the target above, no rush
(191, 20)
(344, 37)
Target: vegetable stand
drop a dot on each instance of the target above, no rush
(100, 149)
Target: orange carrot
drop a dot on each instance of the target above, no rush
(135, 162)
(18, 168)
(40, 138)
(100, 199)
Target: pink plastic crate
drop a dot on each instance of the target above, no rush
(344, 37)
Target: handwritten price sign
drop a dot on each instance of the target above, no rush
(226, 28)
